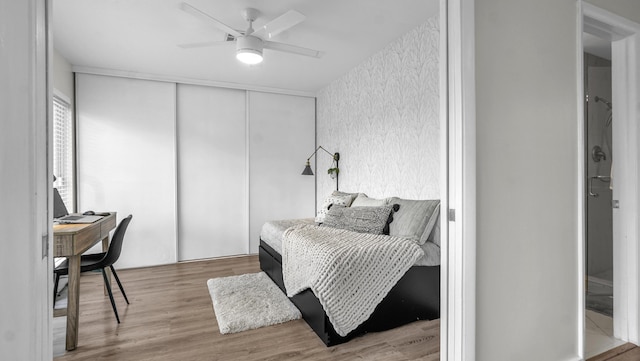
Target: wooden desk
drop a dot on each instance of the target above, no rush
(71, 240)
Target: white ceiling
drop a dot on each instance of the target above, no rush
(142, 36)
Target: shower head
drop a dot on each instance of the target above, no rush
(599, 99)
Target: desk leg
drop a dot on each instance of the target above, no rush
(105, 248)
(73, 306)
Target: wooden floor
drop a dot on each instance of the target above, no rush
(626, 352)
(171, 318)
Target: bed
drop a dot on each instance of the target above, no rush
(416, 296)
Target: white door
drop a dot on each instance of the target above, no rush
(126, 161)
(212, 172)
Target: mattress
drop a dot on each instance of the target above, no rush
(272, 232)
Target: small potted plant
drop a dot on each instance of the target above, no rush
(333, 172)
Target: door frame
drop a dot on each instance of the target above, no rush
(624, 35)
(458, 253)
(459, 175)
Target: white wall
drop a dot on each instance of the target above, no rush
(527, 174)
(26, 310)
(383, 118)
(62, 76)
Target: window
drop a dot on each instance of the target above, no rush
(63, 168)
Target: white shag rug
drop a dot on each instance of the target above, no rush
(249, 301)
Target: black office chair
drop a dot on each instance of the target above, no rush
(101, 261)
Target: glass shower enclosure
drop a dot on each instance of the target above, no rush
(598, 164)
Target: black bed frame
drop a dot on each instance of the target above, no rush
(415, 297)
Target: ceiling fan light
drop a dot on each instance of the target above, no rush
(249, 56)
(249, 50)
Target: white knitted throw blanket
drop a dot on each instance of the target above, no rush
(350, 273)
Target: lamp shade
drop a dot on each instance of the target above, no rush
(307, 169)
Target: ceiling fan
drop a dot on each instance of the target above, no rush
(250, 43)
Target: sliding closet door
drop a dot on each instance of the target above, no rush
(281, 136)
(212, 172)
(126, 161)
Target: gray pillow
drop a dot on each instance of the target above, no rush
(415, 218)
(358, 219)
(339, 198)
(363, 201)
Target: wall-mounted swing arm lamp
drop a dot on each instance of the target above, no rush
(332, 171)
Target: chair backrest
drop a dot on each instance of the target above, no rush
(115, 247)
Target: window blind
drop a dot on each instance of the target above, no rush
(63, 152)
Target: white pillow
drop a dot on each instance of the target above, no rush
(336, 197)
(363, 201)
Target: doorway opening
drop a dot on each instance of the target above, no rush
(610, 251)
(598, 161)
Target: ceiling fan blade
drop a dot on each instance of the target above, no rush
(208, 18)
(287, 48)
(279, 24)
(203, 44)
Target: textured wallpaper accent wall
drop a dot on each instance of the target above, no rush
(383, 118)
